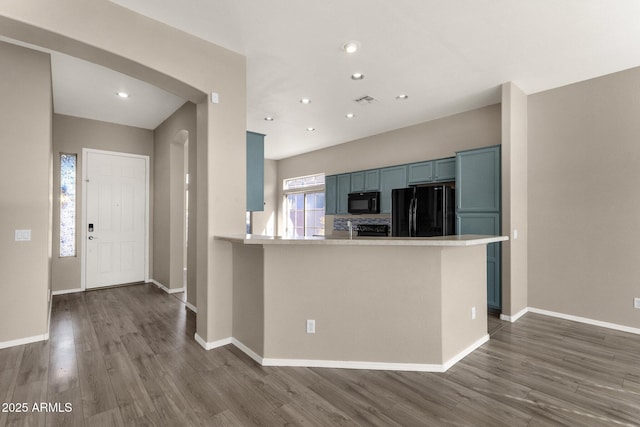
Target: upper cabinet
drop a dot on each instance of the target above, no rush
(391, 178)
(420, 172)
(445, 169)
(255, 171)
(478, 180)
(344, 188)
(365, 181)
(330, 194)
(440, 170)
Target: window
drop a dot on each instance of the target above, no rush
(304, 199)
(67, 205)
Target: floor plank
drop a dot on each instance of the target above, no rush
(126, 356)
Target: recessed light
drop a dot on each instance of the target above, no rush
(349, 115)
(351, 47)
(305, 101)
(311, 129)
(357, 76)
(402, 97)
(122, 94)
(269, 118)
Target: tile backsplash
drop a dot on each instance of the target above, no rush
(340, 223)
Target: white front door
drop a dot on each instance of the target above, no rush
(116, 187)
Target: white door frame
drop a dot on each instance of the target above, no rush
(83, 232)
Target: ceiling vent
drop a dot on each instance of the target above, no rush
(366, 100)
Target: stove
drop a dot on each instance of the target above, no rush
(378, 230)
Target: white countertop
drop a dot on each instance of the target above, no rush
(459, 240)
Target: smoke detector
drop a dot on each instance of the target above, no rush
(364, 100)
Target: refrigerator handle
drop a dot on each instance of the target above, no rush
(410, 217)
(415, 217)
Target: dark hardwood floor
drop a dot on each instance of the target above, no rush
(126, 356)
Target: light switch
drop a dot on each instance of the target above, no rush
(23, 235)
(515, 234)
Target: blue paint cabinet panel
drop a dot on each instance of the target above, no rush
(420, 172)
(487, 224)
(331, 194)
(445, 170)
(372, 180)
(357, 182)
(478, 207)
(344, 188)
(255, 171)
(391, 178)
(478, 180)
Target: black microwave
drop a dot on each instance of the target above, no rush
(364, 203)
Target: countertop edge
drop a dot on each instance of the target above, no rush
(450, 241)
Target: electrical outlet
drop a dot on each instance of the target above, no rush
(636, 303)
(311, 326)
(473, 313)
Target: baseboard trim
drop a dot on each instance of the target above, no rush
(464, 353)
(67, 291)
(516, 316)
(246, 350)
(167, 290)
(341, 364)
(212, 345)
(191, 307)
(23, 341)
(586, 320)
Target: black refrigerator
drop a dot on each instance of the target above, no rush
(423, 211)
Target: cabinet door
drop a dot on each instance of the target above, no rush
(344, 188)
(255, 171)
(420, 172)
(445, 170)
(478, 180)
(372, 180)
(486, 224)
(391, 178)
(330, 194)
(357, 182)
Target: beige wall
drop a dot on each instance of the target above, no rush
(188, 67)
(266, 222)
(25, 192)
(514, 199)
(583, 201)
(430, 140)
(70, 136)
(248, 296)
(169, 142)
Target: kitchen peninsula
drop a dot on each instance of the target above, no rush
(373, 303)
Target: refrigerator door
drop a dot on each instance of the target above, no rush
(401, 211)
(429, 211)
(449, 211)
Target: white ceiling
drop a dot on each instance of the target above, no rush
(448, 56)
(84, 89)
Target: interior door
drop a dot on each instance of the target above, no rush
(116, 219)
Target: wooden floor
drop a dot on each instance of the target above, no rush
(126, 356)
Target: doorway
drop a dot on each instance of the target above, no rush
(115, 228)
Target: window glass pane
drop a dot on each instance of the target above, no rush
(305, 211)
(67, 205)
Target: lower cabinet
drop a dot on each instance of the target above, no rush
(487, 224)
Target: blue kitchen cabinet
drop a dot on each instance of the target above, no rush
(255, 171)
(357, 182)
(368, 180)
(445, 170)
(372, 180)
(420, 172)
(478, 207)
(391, 178)
(330, 194)
(344, 188)
(486, 224)
(478, 180)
